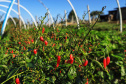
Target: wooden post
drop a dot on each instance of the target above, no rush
(120, 14)
(19, 14)
(89, 15)
(48, 19)
(65, 18)
(36, 19)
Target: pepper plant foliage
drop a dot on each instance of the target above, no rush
(32, 61)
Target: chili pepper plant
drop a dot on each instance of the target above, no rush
(62, 55)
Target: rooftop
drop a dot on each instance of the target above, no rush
(120, 7)
(112, 10)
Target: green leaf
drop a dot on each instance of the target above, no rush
(5, 55)
(4, 66)
(68, 82)
(53, 79)
(122, 71)
(98, 63)
(72, 73)
(78, 60)
(67, 41)
(114, 46)
(117, 56)
(68, 65)
(116, 81)
(30, 65)
(101, 74)
(28, 60)
(22, 62)
(119, 63)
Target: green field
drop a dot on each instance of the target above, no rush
(70, 55)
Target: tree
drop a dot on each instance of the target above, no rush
(71, 14)
(94, 14)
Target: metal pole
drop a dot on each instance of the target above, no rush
(89, 15)
(16, 13)
(24, 9)
(65, 18)
(48, 19)
(36, 20)
(6, 17)
(19, 15)
(74, 13)
(120, 14)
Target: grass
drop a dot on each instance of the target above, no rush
(108, 26)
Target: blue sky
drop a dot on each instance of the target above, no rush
(58, 7)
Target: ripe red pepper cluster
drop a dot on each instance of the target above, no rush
(106, 61)
(41, 39)
(71, 59)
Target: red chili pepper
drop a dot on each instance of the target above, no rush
(32, 40)
(43, 30)
(17, 81)
(66, 37)
(68, 61)
(85, 63)
(35, 51)
(58, 60)
(11, 51)
(80, 66)
(60, 71)
(53, 45)
(43, 48)
(57, 30)
(46, 43)
(19, 42)
(24, 48)
(71, 61)
(41, 38)
(71, 56)
(104, 62)
(87, 81)
(107, 61)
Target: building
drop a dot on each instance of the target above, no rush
(113, 15)
(104, 18)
